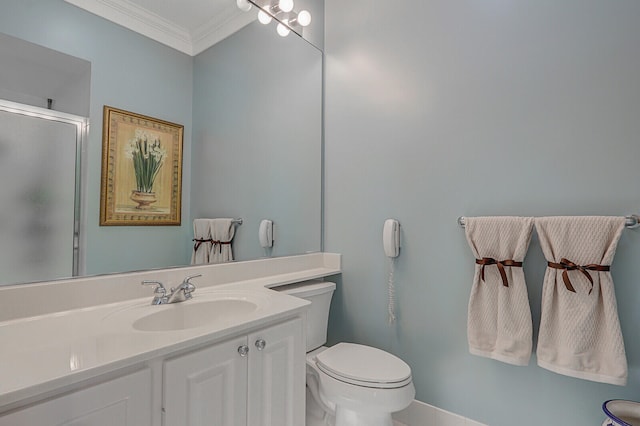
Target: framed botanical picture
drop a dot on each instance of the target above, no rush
(141, 170)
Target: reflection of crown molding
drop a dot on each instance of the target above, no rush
(149, 24)
(226, 22)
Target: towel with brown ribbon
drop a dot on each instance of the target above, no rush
(202, 242)
(580, 332)
(222, 232)
(499, 322)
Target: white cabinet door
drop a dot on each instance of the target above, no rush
(207, 387)
(277, 376)
(216, 386)
(125, 401)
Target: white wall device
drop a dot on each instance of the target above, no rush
(391, 238)
(265, 233)
(391, 244)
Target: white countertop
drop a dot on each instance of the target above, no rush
(56, 334)
(42, 353)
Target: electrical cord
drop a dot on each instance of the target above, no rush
(392, 290)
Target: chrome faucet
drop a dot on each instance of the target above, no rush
(178, 294)
(183, 291)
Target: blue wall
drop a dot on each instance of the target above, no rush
(130, 72)
(436, 109)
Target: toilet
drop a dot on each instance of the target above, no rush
(348, 384)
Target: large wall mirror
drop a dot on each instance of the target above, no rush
(252, 110)
(257, 138)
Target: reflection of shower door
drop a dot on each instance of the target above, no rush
(40, 153)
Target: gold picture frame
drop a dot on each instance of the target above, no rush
(141, 170)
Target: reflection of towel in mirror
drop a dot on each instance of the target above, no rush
(499, 322)
(222, 232)
(201, 242)
(579, 328)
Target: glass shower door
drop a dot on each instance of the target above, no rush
(39, 193)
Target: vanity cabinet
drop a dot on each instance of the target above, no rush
(124, 401)
(257, 379)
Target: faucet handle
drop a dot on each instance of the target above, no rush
(188, 286)
(160, 292)
(159, 286)
(186, 280)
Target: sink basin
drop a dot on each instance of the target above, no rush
(192, 314)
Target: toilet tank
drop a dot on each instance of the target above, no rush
(319, 293)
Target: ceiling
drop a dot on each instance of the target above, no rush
(190, 26)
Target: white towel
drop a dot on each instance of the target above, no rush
(580, 331)
(222, 232)
(499, 321)
(201, 242)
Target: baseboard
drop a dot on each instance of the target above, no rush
(421, 414)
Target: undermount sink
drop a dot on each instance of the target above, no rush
(192, 314)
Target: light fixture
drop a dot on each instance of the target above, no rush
(304, 18)
(282, 11)
(264, 17)
(285, 5)
(244, 5)
(283, 28)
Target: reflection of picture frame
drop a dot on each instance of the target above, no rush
(141, 170)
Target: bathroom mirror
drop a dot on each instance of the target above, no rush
(252, 134)
(257, 148)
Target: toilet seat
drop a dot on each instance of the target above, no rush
(364, 366)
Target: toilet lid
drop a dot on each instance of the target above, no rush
(364, 366)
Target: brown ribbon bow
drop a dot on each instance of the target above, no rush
(219, 244)
(199, 242)
(500, 264)
(567, 266)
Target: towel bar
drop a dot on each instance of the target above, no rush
(237, 221)
(633, 221)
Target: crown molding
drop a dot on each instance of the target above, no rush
(140, 20)
(149, 24)
(226, 22)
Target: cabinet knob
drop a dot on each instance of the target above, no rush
(260, 344)
(243, 350)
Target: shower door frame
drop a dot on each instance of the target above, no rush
(82, 130)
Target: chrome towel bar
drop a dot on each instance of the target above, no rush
(633, 221)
